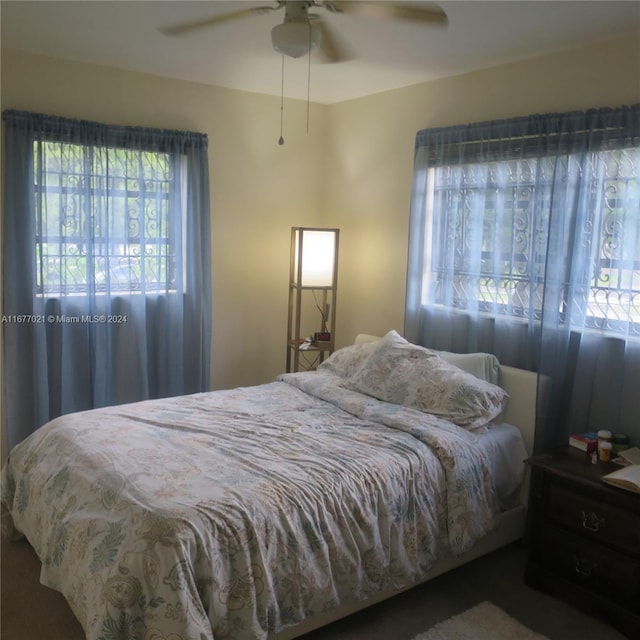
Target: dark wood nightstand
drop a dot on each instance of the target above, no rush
(584, 538)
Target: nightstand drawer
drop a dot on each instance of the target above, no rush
(593, 519)
(594, 567)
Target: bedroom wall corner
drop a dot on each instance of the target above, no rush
(3, 423)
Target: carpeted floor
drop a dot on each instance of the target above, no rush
(30, 611)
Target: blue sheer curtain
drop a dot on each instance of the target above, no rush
(107, 267)
(525, 242)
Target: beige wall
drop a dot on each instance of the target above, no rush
(353, 170)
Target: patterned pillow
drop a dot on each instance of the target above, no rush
(402, 373)
(482, 365)
(345, 361)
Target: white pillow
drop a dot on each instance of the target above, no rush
(482, 365)
(402, 373)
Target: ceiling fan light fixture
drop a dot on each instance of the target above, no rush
(295, 39)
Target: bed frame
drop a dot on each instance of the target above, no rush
(521, 386)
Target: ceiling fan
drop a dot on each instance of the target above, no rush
(302, 32)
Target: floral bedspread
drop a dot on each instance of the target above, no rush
(234, 514)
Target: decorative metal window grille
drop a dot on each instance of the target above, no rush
(490, 239)
(103, 220)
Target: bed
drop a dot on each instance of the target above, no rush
(268, 511)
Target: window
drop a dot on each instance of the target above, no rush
(524, 242)
(106, 263)
(103, 220)
(490, 242)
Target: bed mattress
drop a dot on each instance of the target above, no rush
(505, 451)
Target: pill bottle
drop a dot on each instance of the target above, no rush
(604, 450)
(604, 436)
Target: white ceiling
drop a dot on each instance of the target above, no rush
(238, 54)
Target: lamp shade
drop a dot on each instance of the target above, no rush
(315, 253)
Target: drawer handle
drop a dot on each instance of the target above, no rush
(591, 522)
(583, 567)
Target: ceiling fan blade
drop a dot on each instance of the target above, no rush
(332, 47)
(430, 13)
(203, 23)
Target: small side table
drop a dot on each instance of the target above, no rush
(584, 538)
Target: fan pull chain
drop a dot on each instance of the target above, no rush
(309, 79)
(281, 139)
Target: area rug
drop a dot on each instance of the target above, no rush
(482, 622)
